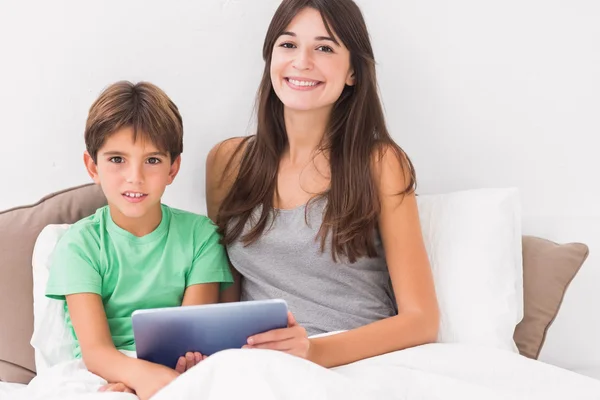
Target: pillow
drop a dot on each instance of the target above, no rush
(473, 239)
(19, 229)
(51, 340)
(548, 269)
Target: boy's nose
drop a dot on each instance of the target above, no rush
(134, 176)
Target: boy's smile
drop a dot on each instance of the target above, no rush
(133, 176)
(134, 197)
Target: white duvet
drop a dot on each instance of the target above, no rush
(435, 371)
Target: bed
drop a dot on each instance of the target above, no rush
(6, 388)
(486, 349)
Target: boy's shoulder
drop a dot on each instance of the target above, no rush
(189, 221)
(188, 216)
(87, 228)
(82, 237)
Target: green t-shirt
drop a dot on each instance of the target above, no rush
(131, 273)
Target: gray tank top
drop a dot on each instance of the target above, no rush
(286, 262)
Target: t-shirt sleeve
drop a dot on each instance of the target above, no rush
(210, 264)
(74, 266)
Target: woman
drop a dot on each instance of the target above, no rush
(318, 207)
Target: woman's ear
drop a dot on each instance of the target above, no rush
(350, 79)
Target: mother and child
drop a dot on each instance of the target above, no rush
(317, 208)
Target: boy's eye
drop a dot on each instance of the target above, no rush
(153, 160)
(325, 49)
(116, 160)
(287, 45)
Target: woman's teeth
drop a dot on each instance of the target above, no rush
(302, 83)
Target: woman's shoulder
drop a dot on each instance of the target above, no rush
(225, 154)
(222, 167)
(392, 169)
(224, 150)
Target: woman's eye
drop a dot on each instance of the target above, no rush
(287, 45)
(153, 160)
(116, 160)
(325, 49)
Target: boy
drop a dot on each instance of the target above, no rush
(134, 253)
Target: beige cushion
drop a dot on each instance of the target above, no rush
(19, 228)
(548, 269)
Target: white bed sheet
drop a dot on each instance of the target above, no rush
(431, 372)
(6, 388)
(505, 374)
(592, 372)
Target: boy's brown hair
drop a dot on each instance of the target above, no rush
(144, 107)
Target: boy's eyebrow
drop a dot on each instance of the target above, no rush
(120, 153)
(157, 153)
(113, 153)
(317, 38)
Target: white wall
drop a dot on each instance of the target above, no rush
(479, 93)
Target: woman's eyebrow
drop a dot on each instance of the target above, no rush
(317, 38)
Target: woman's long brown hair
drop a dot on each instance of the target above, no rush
(356, 131)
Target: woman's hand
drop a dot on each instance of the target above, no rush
(292, 340)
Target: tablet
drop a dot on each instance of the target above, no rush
(162, 335)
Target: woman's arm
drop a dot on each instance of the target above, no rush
(418, 315)
(218, 184)
(100, 355)
(417, 321)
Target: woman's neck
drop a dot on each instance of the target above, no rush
(305, 131)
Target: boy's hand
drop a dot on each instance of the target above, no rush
(188, 361)
(184, 364)
(153, 377)
(116, 387)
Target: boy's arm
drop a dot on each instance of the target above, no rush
(202, 293)
(100, 355)
(232, 293)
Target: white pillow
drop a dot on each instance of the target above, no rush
(473, 240)
(51, 339)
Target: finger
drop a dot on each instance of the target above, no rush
(283, 345)
(275, 335)
(204, 357)
(180, 367)
(189, 360)
(113, 387)
(291, 320)
(105, 388)
(121, 387)
(197, 357)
